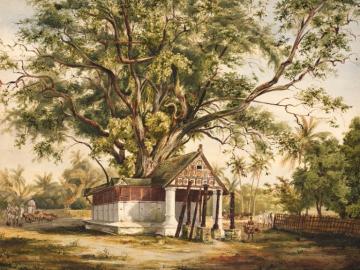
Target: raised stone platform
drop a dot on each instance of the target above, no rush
(125, 228)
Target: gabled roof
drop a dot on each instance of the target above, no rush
(170, 168)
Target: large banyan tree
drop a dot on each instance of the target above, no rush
(136, 80)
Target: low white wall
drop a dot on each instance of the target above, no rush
(130, 211)
(137, 211)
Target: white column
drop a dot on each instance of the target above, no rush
(170, 223)
(220, 219)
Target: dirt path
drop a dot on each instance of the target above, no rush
(138, 250)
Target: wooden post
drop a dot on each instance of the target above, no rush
(200, 208)
(182, 213)
(204, 206)
(188, 210)
(232, 210)
(198, 202)
(216, 223)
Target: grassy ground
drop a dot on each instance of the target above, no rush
(66, 245)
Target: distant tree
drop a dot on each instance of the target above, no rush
(44, 183)
(49, 194)
(305, 134)
(260, 161)
(238, 169)
(288, 197)
(266, 202)
(351, 150)
(323, 178)
(81, 175)
(13, 186)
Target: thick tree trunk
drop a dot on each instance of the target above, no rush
(147, 162)
(145, 165)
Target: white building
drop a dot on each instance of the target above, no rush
(152, 205)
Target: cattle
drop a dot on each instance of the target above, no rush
(39, 216)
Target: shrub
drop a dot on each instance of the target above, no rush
(80, 203)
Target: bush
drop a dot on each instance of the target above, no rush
(80, 203)
(44, 201)
(3, 204)
(353, 210)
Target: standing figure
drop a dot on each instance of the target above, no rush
(31, 207)
(250, 228)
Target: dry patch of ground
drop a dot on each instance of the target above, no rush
(65, 244)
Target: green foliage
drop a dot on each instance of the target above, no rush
(80, 203)
(77, 178)
(351, 150)
(318, 97)
(327, 174)
(301, 140)
(288, 197)
(49, 194)
(13, 187)
(265, 201)
(145, 77)
(322, 179)
(353, 210)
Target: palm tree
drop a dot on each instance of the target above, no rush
(305, 134)
(44, 183)
(238, 169)
(13, 186)
(259, 163)
(232, 184)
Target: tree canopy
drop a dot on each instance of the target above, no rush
(138, 79)
(351, 150)
(322, 180)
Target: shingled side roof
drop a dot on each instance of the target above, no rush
(170, 168)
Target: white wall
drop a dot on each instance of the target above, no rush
(130, 211)
(136, 211)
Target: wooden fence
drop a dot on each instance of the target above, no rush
(317, 225)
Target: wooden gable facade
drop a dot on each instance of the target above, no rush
(198, 171)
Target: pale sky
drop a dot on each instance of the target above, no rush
(345, 83)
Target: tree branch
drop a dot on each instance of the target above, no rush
(93, 157)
